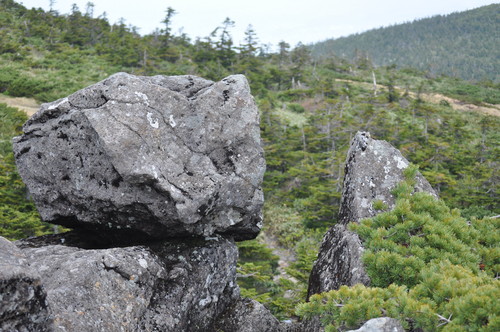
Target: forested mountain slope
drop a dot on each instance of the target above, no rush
(464, 44)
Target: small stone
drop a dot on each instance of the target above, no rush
(381, 324)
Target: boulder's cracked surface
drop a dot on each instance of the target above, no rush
(153, 157)
(178, 285)
(23, 305)
(248, 315)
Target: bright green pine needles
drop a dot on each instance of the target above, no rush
(429, 267)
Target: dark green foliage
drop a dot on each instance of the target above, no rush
(306, 251)
(25, 86)
(460, 44)
(448, 298)
(379, 205)
(297, 108)
(7, 76)
(18, 216)
(256, 269)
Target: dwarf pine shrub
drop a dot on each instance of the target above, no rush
(429, 267)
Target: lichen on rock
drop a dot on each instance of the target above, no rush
(158, 157)
(373, 168)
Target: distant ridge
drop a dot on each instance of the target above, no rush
(464, 44)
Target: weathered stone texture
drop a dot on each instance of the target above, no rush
(179, 285)
(159, 156)
(23, 305)
(373, 168)
(382, 324)
(248, 315)
(158, 176)
(339, 262)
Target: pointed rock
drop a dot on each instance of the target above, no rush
(373, 168)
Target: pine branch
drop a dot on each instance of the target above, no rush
(239, 275)
(444, 319)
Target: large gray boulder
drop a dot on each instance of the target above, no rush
(179, 285)
(373, 168)
(148, 157)
(23, 305)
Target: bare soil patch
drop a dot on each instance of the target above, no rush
(286, 256)
(28, 105)
(436, 98)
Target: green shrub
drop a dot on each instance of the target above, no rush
(379, 205)
(306, 252)
(428, 266)
(445, 103)
(284, 223)
(449, 297)
(297, 108)
(295, 94)
(18, 215)
(24, 86)
(256, 266)
(475, 212)
(7, 76)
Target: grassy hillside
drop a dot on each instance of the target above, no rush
(309, 108)
(461, 44)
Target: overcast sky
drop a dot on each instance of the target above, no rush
(305, 21)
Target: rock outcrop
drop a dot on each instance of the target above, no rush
(373, 168)
(23, 305)
(157, 157)
(179, 285)
(158, 176)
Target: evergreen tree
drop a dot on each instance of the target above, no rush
(224, 46)
(167, 32)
